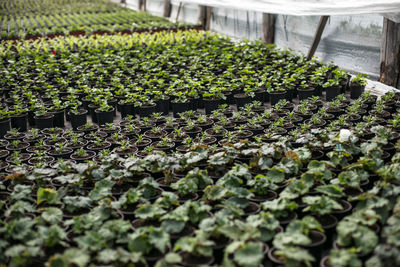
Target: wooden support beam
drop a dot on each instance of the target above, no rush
(167, 8)
(179, 11)
(390, 53)
(205, 17)
(268, 28)
(208, 19)
(202, 16)
(317, 37)
(142, 5)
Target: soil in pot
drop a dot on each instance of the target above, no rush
(82, 158)
(191, 260)
(271, 195)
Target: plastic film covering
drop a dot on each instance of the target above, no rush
(349, 41)
(310, 7)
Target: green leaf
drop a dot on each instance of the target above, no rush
(102, 189)
(321, 204)
(173, 226)
(47, 195)
(52, 215)
(107, 255)
(149, 211)
(159, 239)
(330, 190)
(344, 257)
(249, 255)
(295, 256)
(276, 175)
(77, 256)
(52, 235)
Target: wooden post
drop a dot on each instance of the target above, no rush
(179, 11)
(205, 17)
(321, 26)
(268, 28)
(142, 5)
(208, 19)
(390, 53)
(202, 16)
(167, 8)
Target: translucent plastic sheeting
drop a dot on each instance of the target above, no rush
(389, 8)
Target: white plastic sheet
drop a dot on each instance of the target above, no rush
(389, 8)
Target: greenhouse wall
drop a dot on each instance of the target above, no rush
(351, 42)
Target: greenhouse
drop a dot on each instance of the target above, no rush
(229, 133)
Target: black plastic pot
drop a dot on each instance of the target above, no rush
(78, 119)
(163, 106)
(104, 117)
(113, 103)
(126, 109)
(145, 111)
(58, 120)
(356, 91)
(276, 96)
(211, 104)
(193, 103)
(31, 117)
(305, 93)
(91, 155)
(316, 247)
(332, 92)
(45, 121)
(260, 96)
(4, 127)
(242, 100)
(20, 122)
(91, 109)
(179, 108)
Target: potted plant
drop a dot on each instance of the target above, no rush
(151, 241)
(195, 250)
(357, 86)
(43, 119)
(299, 235)
(180, 103)
(19, 117)
(341, 257)
(212, 99)
(127, 105)
(4, 122)
(82, 155)
(78, 116)
(104, 113)
(60, 151)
